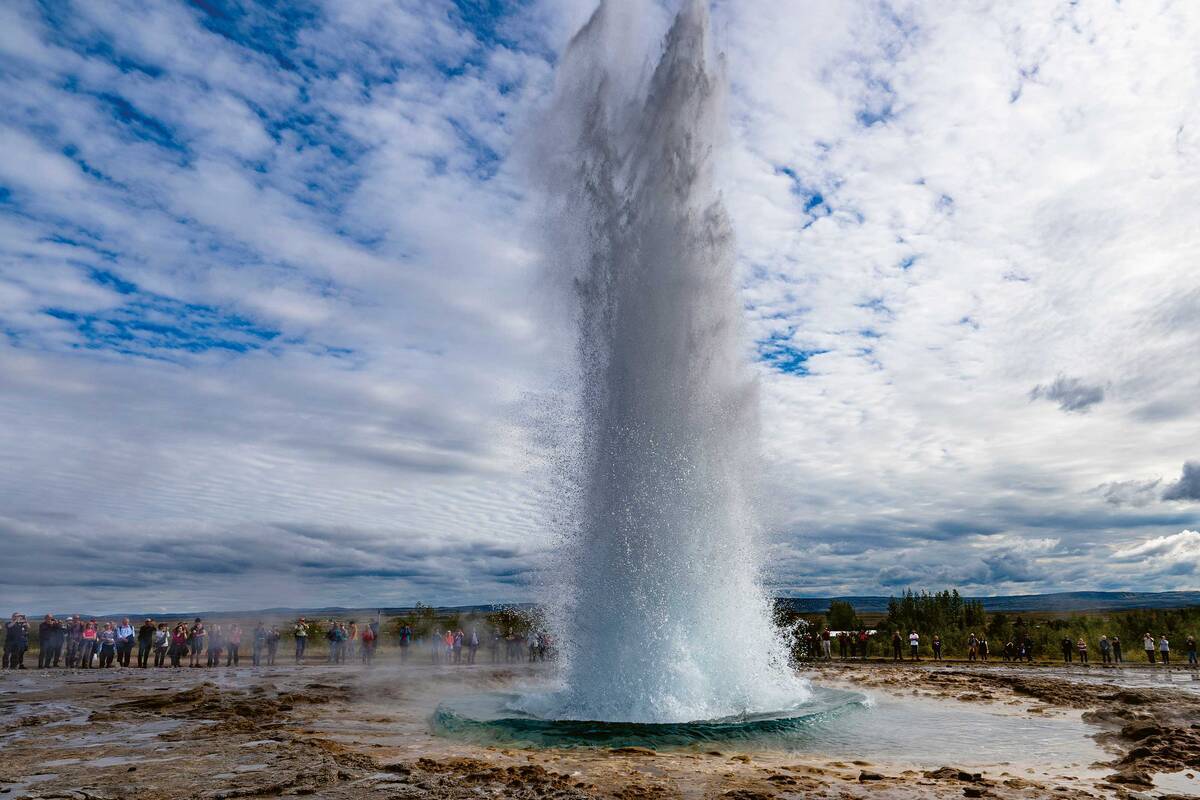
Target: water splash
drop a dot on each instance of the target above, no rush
(661, 614)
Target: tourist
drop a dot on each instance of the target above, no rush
(259, 644)
(340, 637)
(494, 646)
(1164, 649)
(1105, 650)
(368, 645)
(107, 640)
(937, 647)
(216, 646)
(897, 647)
(126, 638)
(50, 642)
(914, 644)
(405, 637)
(162, 643)
(1191, 650)
(1116, 648)
(145, 642)
(472, 645)
(864, 641)
(1148, 644)
(234, 641)
(273, 637)
(351, 638)
(89, 642)
(841, 641)
(74, 640)
(300, 631)
(972, 647)
(1010, 650)
(16, 641)
(1068, 648)
(1082, 647)
(983, 648)
(197, 641)
(459, 636)
(827, 644)
(180, 638)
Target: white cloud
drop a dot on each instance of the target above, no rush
(1006, 196)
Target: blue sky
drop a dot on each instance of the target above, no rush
(271, 309)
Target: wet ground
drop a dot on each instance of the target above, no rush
(350, 732)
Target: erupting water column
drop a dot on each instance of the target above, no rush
(661, 615)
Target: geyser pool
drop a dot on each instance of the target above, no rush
(659, 610)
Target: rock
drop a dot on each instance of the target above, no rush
(1134, 777)
(634, 751)
(865, 776)
(1141, 729)
(953, 774)
(972, 791)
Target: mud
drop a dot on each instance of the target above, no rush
(347, 732)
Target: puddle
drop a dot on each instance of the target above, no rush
(1186, 782)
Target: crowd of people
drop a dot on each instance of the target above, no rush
(856, 645)
(77, 643)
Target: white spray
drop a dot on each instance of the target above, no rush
(659, 609)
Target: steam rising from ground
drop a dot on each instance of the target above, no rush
(661, 615)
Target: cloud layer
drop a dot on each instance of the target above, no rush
(270, 313)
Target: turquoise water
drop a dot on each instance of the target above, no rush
(833, 722)
(494, 718)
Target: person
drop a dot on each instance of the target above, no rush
(197, 641)
(1148, 644)
(145, 642)
(1082, 647)
(1105, 650)
(273, 637)
(126, 636)
(1191, 650)
(972, 647)
(1116, 649)
(162, 643)
(533, 646)
(864, 644)
(1010, 650)
(914, 644)
(234, 641)
(983, 648)
(352, 638)
(405, 637)
(457, 645)
(472, 645)
(1164, 649)
(107, 639)
(50, 642)
(937, 647)
(74, 640)
(216, 644)
(494, 646)
(180, 639)
(1067, 649)
(16, 641)
(827, 644)
(300, 631)
(89, 643)
(368, 645)
(897, 647)
(1027, 646)
(260, 643)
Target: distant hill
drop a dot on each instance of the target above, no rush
(1058, 602)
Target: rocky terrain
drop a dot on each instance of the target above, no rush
(346, 732)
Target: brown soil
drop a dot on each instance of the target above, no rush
(346, 732)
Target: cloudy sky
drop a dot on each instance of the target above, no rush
(271, 330)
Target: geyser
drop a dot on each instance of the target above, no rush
(660, 612)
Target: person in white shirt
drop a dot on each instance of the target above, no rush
(914, 643)
(1164, 649)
